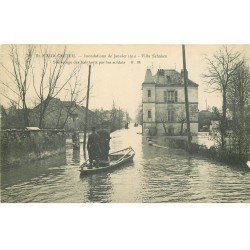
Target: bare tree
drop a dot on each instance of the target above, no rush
(219, 75)
(181, 117)
(238, 96)
(19, 75)
(162, 118)
(73, 103)
(51, 80)
(139, 115)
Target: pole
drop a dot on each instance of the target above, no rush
(86, 114)
(186, 96)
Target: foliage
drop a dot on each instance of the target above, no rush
(113, 119)
(139, 115)
(229, 74)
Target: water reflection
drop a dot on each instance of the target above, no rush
(76, 156)
(13, 175)
(99, 188)
(156, 175)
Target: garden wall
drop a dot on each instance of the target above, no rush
(20, 146)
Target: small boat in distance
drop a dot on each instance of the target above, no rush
(116, 159)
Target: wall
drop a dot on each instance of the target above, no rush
(177, 128)
(145, 89)
(20, 146)
(159, 108)
(192, 93)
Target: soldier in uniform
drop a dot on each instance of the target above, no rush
(104, 143)
(93, 146)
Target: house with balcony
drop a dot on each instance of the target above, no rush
(163, 103)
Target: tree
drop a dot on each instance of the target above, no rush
(139, 115)
(162, 117)
(181, 117)
(217, 126)
(113, 117)
(4, 118)
(73, 92)
(19, 75)
(52, 80)
(219, 75)
(238, 97)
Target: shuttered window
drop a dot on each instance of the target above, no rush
(170, 115)
(176, 96)
(149, 114)
(170, 96)
(165, 96)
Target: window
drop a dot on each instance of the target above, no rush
(149, 114)
(170, 115)
(149, 93)
(170, 96)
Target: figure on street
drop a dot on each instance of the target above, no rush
(104, 143)
(93, 146)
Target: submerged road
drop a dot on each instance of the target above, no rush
(156, 175)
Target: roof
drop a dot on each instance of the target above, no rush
(67, 104)
(166, 77)
(148, 77)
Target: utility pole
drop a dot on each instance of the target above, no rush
(186, 96)
(86, 115)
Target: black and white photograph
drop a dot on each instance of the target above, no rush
(125, 123)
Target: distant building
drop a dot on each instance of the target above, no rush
(62, 115)
(204, 118)
(163, 103)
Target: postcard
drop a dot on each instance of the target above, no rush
(125, 123)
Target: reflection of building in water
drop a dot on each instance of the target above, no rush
(163, 102)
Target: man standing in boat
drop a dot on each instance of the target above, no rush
(104, 143)
(93, 146)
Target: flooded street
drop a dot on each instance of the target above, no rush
(156, 175)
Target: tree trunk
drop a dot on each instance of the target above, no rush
(224, 121)
(164, 127)
(25, 115)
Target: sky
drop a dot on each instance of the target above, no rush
(118, 70)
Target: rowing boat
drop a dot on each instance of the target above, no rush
(116, 159)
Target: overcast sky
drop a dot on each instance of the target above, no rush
(122, 82)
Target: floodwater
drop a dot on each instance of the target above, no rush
(155, 175)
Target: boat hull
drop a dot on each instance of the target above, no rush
(116, 161)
